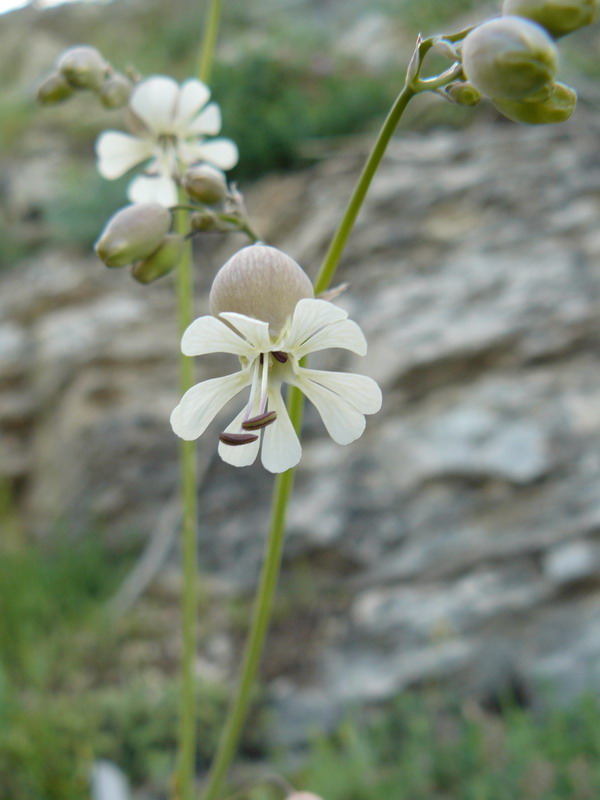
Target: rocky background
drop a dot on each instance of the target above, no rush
(457, 542)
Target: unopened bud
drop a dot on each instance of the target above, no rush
(557, 108)
(53, 90)
(260, 282)
(115, 91)
(83, 67)
(463, 93)
(203, 221)
(162, 261)
(558, 17)
(510, 58)
(133, 233)
(205, 184)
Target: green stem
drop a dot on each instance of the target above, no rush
(283, 485)
(187, 450)
(260, 623)
(209, 41)
(340, 238)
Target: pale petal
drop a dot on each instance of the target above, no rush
(200, 404)
(243, 455)
(222, 153)
(153, 189)
(358, 391)
(193, 95)
(208, 121)
(281, 448)
(119, 152)
(345, 334)
(343, 422)
(309, 317)
(154, 101)
(255, 331)
(211, 335)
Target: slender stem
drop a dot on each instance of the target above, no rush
(284, 483)
(187, 450)
(340, 238)
(209, 41)
(260, 624)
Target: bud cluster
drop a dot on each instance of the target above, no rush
(84, 68)
(513, 59)
(138, 235)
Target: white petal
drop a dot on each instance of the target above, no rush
(244, 454)
(193, 95)
(154, 101)
(345, 334)
(281, 448)
(212, 335)
(200, 404)
(207, 122)
(309, 317)
(255, 331)
(119, 152)
(222, 153)
(153, 189)
(343, 422)
(358, 391)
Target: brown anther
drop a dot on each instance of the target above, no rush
(236, 439)
(279, 356)
(260, 421)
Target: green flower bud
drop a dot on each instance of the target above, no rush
(83, 67)
(557, 108)
(53, 90)
(558, 17)
(463, 93)
(205, 184)
(133, 233)
(203, 221)
(260, 282)
(115, 91)
(510, 58)
(162, 261)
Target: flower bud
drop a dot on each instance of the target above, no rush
(54, 89)
(115, 91)
(205, 184)
(162, 261)
(557, 108)
(463, 93)
(83, 67)
(203, 221)
(558, 17)
(510, 58)
(260, 282)
(133, 233)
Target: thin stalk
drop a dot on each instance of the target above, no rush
(284, 483)
(188, 468)
(209, 41)
(340, 238)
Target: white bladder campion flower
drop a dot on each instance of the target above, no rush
(264, 312)
(171, 124)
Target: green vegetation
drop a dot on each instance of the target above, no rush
(70, 692)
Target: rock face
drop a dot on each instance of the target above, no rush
(458, 540)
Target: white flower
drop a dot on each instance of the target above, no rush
(342, 399)
(174, 121)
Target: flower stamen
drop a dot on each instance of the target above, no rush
(260, 421)
(236, 439)
(278, 355)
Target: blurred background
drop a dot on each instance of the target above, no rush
(437, 630)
